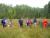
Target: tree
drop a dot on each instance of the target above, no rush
(49, 9)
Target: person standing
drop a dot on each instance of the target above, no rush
(29, 22)
(40, 22)
(11, 23)
(21, 22)
(44, 22)
(3, 21)
(35, 21)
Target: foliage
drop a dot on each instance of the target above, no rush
(19, 11)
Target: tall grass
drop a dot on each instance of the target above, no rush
(27, 32)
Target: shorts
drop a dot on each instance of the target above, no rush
(34, 24)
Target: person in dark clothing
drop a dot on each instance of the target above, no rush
(3, 23)
(20, 22)
(34, 21)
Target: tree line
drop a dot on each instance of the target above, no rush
(24, 11)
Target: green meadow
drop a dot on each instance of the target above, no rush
(24, 32)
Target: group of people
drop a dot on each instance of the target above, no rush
(42, 23)
(29, 22)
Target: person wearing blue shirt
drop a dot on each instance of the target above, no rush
(3, 23)
(34, 21)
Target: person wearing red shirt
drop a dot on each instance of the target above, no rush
(44, 22)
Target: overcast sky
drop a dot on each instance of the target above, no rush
(32, 3)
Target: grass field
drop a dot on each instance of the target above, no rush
(24, 32)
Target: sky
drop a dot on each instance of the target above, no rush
(31, 3)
